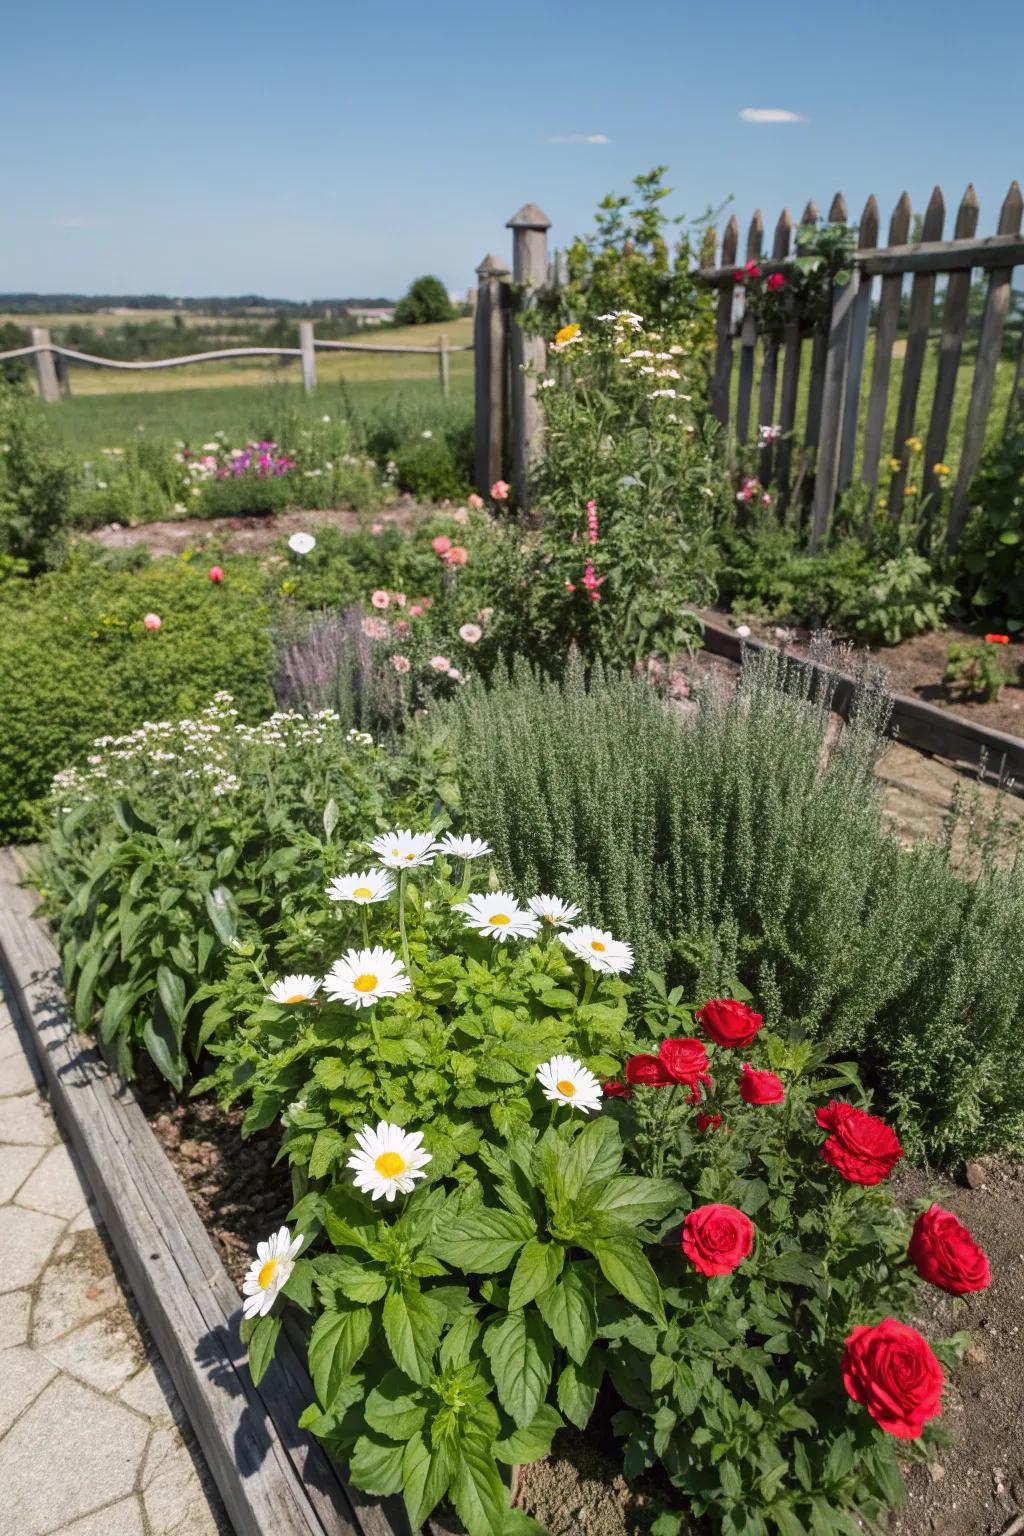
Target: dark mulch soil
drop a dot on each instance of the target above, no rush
(916, 667)
(976, 1489)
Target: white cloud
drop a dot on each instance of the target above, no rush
(770, 115)
(579, 138)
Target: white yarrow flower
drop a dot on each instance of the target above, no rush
(464, 847)
(599, 949)
(294, 989)
(389, 1160)
(568, 1081)
(363, 976)
(371, 885)
(269, 1271)
(497, 915)
(553, 911)
(301, 543)
(404, 849)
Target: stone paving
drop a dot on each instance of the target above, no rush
(93, 1439)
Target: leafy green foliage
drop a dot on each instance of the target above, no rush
(426, 468)
(37, 481)
(993, 540)
(425, 303)
(975, 671)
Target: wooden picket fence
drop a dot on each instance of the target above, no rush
(821, 451)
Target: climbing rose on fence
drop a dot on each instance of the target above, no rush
(717, 1238)
(728, 1022)
(861, 1147)
(760, 1087)
(890, 1370)
(945, 1254)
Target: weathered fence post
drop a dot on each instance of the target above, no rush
(719, 392)
(490, 367)
(748, 337)
(919, 318)
(46, 373)
(308, 356)
(867, 240)
(885, 335)
(529, 272)
(833, 399)
(770, 356)
(442, 364)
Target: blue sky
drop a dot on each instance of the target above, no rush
(322, 148)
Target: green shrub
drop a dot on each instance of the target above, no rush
(735, 843)
(37, 481)
(425, 468)
(425, 302)
(993, 542)
(140, 483)
(77, 663)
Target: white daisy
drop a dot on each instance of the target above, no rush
(568, 1081)
(598, 949)
(301, 543)
(371, 885)
(363, 976)
(404, 850)
(269, 1271)
(553, 911)
(498, 915)
(464, 847)
(389, 1160)
(294, 989)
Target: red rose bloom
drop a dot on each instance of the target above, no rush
(728, 1022)
(617, 1090)
(760, 1087)
(945, 1254)
(685, 1061)
(717, 1238)
(862, 1148)
(216, 574)
(708, 1122)
(997, 639)
(775, 282)
(648, 1070)
(890, 1370)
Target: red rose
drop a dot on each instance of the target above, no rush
(945, 1254)
(760, 1087)
(216, 574)
(890, 1370)
(717, 1238)
(862, 1148)
(617, 1090)
(728, 1022)
(649, 1070)
(775, 282)
(708, 1122)
(685, 1061)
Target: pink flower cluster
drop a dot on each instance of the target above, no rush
(591, 581)
(749, 491)
(447, 552)
(592, 521)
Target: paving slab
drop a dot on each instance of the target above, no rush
(27, 1239)
(56, 1186)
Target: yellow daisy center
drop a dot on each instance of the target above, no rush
(365, 983)
(499, 919)
(390, 1164)
(410, 857)
(362, 893)
(266, 1274)
(549, 917)
(596, 944)
(566, 1088)
(295, 997)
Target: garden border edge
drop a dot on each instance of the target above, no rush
(270, 1475)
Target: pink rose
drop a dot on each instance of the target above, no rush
(399, 598)
(475, 501)
(376, 527)
(415, 610)
(216, 574)
(456, 555)
(441, 545)
(152, 621)
(401, 663)
(379, 599)
(374, 629)
(470, 633)
(401, 627)
(440, 663)
(500, 490)
(455, 674)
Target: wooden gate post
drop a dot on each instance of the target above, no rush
(46, 373)
(529, 271)
(308, 356)
(442, 364)
(490, 367)
(833, 398)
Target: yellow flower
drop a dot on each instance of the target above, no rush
(941, 469)
(911, 490)
(566, 334)
(915, 444)
(895, 465)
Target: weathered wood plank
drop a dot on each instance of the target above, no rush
(748, 338)
(490, 339)
(529, 269)
(770, 356)
(720, 380)
(270, 1475)
(922, 295)
(990, 342)
(900, 259)
(833, 400)
(46, 373)
(885, 335)
(954, 324)
(793, 342)
(308, 352)
(867, 238)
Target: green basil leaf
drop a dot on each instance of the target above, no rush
(337, 1342)
(626, 1267)
(570, 1311)
(481, 1241)
(578, 1387)
(262, 1343)
(426, 1474)
(477, 1490)
(520, 1351)
(394, 1408)
(537, 1268)
(532, 1442)
(412, 1327)
(376, 1467)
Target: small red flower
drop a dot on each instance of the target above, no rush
(708, 1122)
(648, 1070)
(775, 282)
(616, 1090)
(216, 574)
(752, 270)
(760, 1087)
(997, 639)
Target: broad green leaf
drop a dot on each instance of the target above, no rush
(570, 1311)
(519, 1348)
(426, 1474)
(481, 1241)
(794, 1268)
(347, 1221)
(533, 1442)
(633, 1200)
(118, 1003)
(519, 1523)
(376, 1466)
(171, 989)
(412, 1327)
(327, 1148)
(477, 1490)
(299, 1285)
(578, 1387)
(592, 1156)
(337, 1342)
(262, 1343)
(160, 1042)
(220, 907)
(394, 1408)
(352, 1277)
(458, 1343)
(625, 1266)
(537, 1268)
(331, 814)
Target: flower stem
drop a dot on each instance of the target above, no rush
(366, 928)
(588, 987)
(402, 877)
